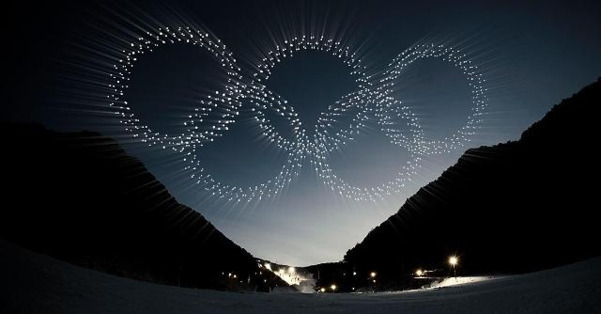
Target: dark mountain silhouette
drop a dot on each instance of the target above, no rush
(514, 207)
(79, 197)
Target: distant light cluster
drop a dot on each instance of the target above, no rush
(371, 104)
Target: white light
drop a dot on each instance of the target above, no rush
(453, 260)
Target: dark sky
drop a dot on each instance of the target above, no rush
(532, 54)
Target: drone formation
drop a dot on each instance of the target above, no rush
(371, 105)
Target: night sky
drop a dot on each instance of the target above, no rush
(532, 55)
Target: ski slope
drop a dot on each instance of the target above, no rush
(34, 283)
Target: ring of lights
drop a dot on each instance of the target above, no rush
(348, 102)
(259, 101)
(475, 80)
(371, 103)
(228, 98)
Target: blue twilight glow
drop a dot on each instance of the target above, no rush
(297, 126)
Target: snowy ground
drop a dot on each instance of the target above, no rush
(456, 281)
(32, 283)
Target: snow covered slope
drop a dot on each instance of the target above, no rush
(33, 283)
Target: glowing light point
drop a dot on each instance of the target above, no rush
(453, 260)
